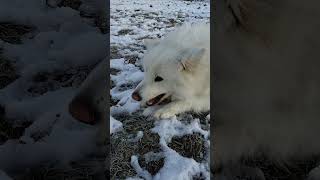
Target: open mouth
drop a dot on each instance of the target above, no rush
(159, 100)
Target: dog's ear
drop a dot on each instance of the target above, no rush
(82, 111)
(150, 43)
(190, 58)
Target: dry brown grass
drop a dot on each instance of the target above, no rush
(45, 81)
(89, 168)
(12, 33)
(74, 4)
(190, 146)
(152, 166)
(7, 72)
(120, 155)
(122, 147)
(114, 52)
(9, 130)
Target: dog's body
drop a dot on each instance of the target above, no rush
(267, 79)
(177, 67)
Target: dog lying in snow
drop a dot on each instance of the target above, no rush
(177, 72)
(267, 80)
(90, 103)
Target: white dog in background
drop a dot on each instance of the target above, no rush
(177, 71)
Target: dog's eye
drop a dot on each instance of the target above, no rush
(158, 78)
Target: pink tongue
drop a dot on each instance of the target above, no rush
(154, 100)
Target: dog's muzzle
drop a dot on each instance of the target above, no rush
(159, 100)
(155, 100)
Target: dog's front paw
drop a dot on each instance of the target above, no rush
(165, 113)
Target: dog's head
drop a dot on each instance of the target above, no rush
(168, 70)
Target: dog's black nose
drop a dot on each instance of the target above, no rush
(136, 96)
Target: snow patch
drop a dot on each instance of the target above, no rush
(115, 125)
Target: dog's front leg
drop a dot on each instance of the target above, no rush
(195, 104)
(172, 109)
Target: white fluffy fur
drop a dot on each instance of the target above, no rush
(189, 88)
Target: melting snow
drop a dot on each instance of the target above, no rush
(115, 125)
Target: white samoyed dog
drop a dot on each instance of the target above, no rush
(177, 72)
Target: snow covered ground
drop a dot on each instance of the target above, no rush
(56, 53)
(48, 61)
(142, 148)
